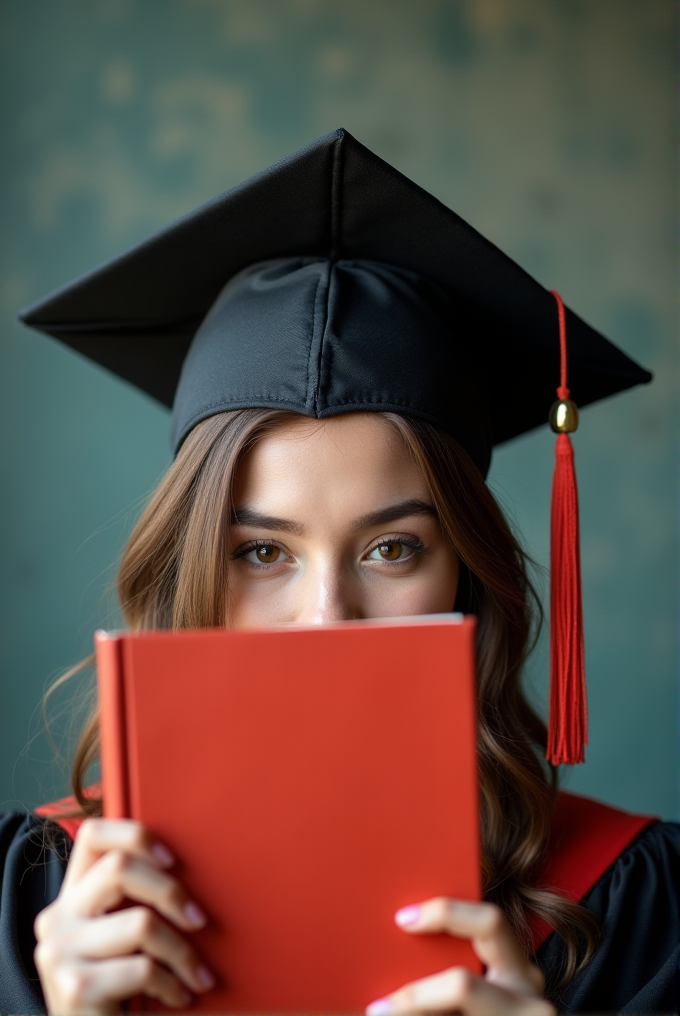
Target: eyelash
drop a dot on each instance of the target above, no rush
(406, 541)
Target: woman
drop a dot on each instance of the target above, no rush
(333, 421)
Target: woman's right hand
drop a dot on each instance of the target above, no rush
(90, 959)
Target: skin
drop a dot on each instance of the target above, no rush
(333, 521)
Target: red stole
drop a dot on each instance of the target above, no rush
(586, 839)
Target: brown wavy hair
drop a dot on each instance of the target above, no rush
(175, 574)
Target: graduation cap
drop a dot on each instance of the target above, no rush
(330, 283)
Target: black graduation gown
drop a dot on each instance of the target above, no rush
(636, 968)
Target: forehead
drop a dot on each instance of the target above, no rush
(358, 455)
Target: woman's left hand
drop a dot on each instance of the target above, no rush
(511, 984)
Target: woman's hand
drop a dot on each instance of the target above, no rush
(511, 984)
(90, 959)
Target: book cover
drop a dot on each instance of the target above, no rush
(310, 782)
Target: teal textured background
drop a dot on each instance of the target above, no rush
(549, 125)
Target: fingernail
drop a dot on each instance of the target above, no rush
(381, 1007)
(194, 915)
(205, 977)
(407, 916)
(162, 855)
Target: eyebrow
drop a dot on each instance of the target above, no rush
(393, 512)
(247, 516)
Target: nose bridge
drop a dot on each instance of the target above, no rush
(327, 593)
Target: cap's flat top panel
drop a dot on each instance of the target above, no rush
(335, 201)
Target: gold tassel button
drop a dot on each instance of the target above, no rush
(564, 416)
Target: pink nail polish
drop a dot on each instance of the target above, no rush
(381, 1007)
(162, 855)
(194, 915)
(407, 916)
(205, 977)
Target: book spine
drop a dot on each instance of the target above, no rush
(112, 725)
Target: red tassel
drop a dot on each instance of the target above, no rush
(568, 719)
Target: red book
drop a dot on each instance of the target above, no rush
(311, 781)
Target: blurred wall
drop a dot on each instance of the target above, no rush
(549, 125)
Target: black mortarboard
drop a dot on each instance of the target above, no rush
(330, 283)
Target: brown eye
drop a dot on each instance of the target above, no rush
(396, 550)
(390, 551)
(267, 554)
